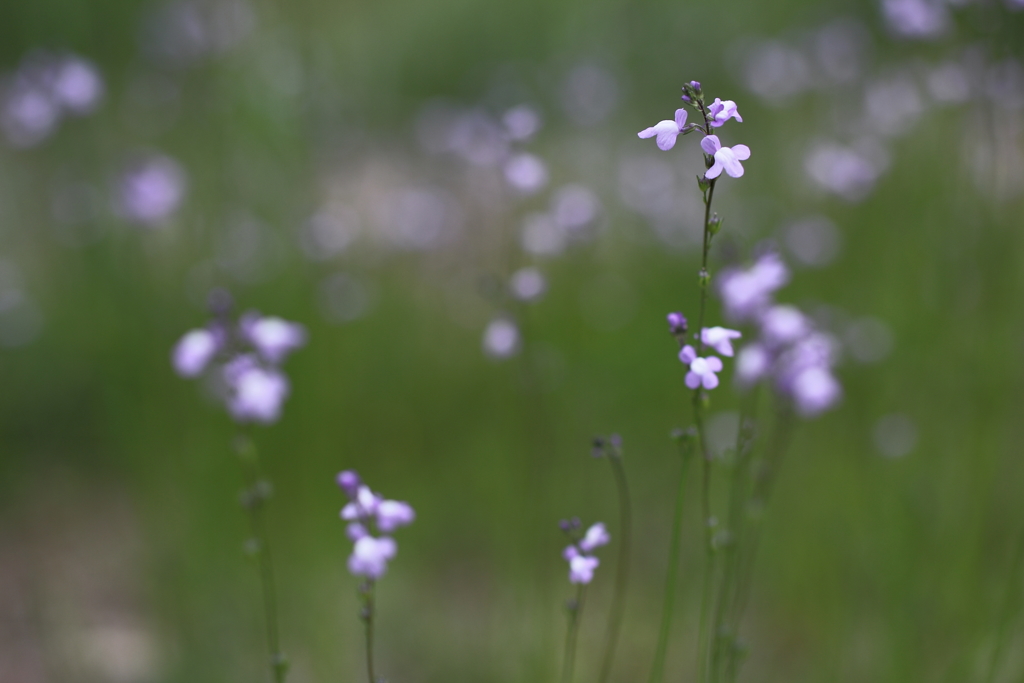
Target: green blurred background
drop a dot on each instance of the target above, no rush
(887, 550)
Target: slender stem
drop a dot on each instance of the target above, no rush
(254, 500)
(575, 610)
(658, 667)
(1011, 604)
(618, 606)
(367, 615)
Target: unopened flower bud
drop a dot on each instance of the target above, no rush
(715, 224)
(703, 183)
(677, 325)
(349, 482)
(703, 278)
(565, 525)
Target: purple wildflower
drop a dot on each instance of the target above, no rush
(257, 394)
(370, 556)
(720, 339)
(579, 553)
(595, 537)
(702, 370)
(194, 351)
(667, 131)
(677, 324)
(752, 363)
(366, 511)
(782, 325)
(273, 337)
(723, 111)
(746, 293)
(726, 158)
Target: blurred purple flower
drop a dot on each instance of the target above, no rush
(748, 292)
(392, 514)
(676, 324)
(723, 111)
(595, 537)
(702, 370)
(257, 394)
(720, 339)
(77, 85)
(581, 568)
(527, 173)
(752, 363)
(151, 191)
(782, 325)
(726, 158)
(814, 390)
(274, 338)
(666, 131)
(370, 556)
(194, 351)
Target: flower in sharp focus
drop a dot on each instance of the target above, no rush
(726, 158)
(720, 339)
(666, 131)
(702, 370)
(723, 111)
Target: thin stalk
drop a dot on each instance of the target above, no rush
(618, 606)
(572, 635)
(764, 485)
(1011, 605)
(254, 500)
(675, 547)
(738, 500)
(367, 615)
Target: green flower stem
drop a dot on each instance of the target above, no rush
(367, 615)
(254, 500)
(618, 606)
(572, 635)
(675, 547)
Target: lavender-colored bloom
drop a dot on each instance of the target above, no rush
(746, 293)
(151, 192)
(370, 556)
(677, 324)
(702, 370)
(666, 131)
(257, 395)
(752, 363)
(526, 172)
(194, 352)
(581, 568)
(501, 338)
(392, 514)
(27, 113)
(723, 111)
(783, 325)
(720, 339)
(77, 86)
(595, 537)
(726, 158)
(349, 482)
(814, 390)
(273, 337)
(355, 531)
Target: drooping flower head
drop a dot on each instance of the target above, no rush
(666, 131)
(368, 513)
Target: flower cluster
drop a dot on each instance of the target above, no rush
(579, 553)
(715, 115)
(367, 512)
(244, 357)
(791, 352)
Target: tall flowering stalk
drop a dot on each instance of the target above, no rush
(242, 361)
(370, 519)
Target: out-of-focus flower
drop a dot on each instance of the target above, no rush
(677, 325)
(370, 556)
(752, 363)
(364, 511)
(578, 554)
(527, 173)
(194, 352)
(747, 292)
(845, 171)
(501, 338)
(522, 122)
(596, 536)
(782, 325)
(257, 394)
(151, 191)
(720, 339)
(723, 111)
(77, 85)
(666, 131)
(921, 19)
(527, 284)
(702, 370)
(726, 158)
(814, 390)
(274, 338)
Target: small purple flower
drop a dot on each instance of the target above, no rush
(667, 131)
(257, 394)
(702, 370)
(194, 352)
(274, 338)
(392, 514)
(720, 339)
(349, 482)
(370, 556)
(581, 568)
(677, 324)
(748, 292)
(723, 111)
(595, 537)
(752, 363)
(726, 158)
(783, 325)
(814, 390)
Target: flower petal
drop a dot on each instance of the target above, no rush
(710, 144)
(687, 354)
(714, 171)
(680, 118)
(729, 161)
(742, 152)
(692, 380)
(714, 363)
(710, 380)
